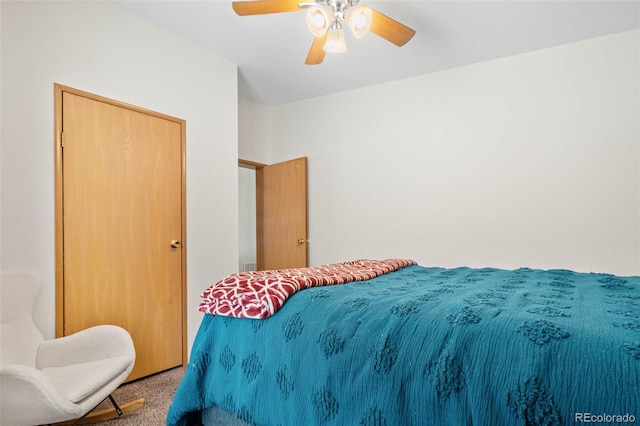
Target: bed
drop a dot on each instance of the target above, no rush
(421, 345)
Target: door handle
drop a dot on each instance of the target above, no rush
(175, 244)
(303, 241)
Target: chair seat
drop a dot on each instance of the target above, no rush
(78, 381)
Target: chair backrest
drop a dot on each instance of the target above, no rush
(19, 336)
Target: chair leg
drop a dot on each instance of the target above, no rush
(106, 414)
(115, 405)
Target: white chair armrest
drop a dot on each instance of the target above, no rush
(93, 344)
(32, 399)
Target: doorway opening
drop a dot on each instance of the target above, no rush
(280, 213)
(247, 214)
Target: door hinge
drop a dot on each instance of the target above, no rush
(62, 139)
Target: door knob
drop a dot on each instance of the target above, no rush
(302, 241)
(175, 244)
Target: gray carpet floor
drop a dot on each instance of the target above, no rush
(158, 391)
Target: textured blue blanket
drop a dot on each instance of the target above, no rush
(427, 346)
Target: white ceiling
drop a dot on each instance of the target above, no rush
(270, 50)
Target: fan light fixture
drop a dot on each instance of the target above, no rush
(330, 19)
(335, 41)
(319, 19)
(359, 20)
(327, 20)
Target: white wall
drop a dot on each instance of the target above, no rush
(254, 131)
(102, 49)
(531, 160)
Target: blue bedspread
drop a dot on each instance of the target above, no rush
(427, 346)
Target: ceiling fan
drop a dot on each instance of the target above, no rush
(327, 20)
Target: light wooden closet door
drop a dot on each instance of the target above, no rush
(122, 173)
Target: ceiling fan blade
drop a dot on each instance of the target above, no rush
(316, 53)
(390, 29)
(262, 7)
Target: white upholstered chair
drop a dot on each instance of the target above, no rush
(48, 381)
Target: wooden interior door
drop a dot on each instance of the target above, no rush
(281, 204)
(123, 259)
